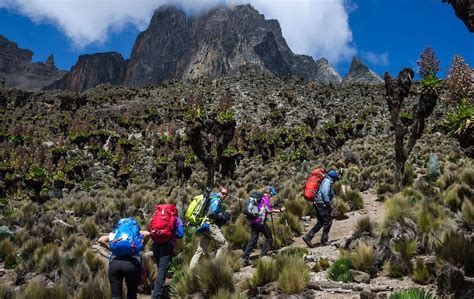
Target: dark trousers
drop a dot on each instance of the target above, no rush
(323, 214)
(124, 268)
(162, 254)
(258, 229)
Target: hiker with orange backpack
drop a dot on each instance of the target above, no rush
(126, 243)
(322, 203)
(165, 227)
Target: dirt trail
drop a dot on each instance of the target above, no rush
(342, 229)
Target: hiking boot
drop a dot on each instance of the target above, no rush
(308, 242)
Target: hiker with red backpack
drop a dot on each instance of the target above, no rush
(165, 227)
(322, 203)
(256, 210)
(126, 243)
(209, 228)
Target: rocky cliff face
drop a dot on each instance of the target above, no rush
(19, 71)
(176, 46)
(360, 73)
(464, 10)
(91, 70)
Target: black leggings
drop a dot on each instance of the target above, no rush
(128, 268)
(257, 229)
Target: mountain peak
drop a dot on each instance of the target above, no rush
(361, 73)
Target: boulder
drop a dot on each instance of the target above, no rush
(359, 276)
(449, 280)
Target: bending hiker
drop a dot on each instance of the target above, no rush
(165, 227)
(210, 227)
(126, 243)
(259, 224)
(322, 204)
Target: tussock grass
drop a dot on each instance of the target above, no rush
(408, 175)
(7, 292)
(90, 228)
(226, 294)
(364, 225)
(414, 293)
(238, 233)
(432, 219)
(8, 253)
(97, 287)
(183, 284)
(383, 188)
(363, 258)
(412, 195)
(294, 276)
(467, 213)
(339, 270)
(467, 177)
(282, 234)
(340, 208)
(456, 249)
(396, 209)
(421, 275)
(293, 222)
(324, 263)
(353, 198)
(297, 251)
(298, 206)
(265, 271)
(214, 275)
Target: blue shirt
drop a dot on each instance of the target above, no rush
(325, 192)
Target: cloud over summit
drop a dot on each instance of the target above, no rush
(319, 28)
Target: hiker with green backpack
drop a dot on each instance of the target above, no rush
(256, 209)
(209, 225)
(126, 243)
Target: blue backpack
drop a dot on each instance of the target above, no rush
(127, 241)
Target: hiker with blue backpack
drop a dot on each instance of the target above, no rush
(165, 227)
(256, 210)
(209, 227)
(322, 203)
(126, 243)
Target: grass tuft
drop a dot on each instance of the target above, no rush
(363, 258)
(339, 270)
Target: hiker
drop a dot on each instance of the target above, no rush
(126, 243)
(322, 204)
(165, 227)
(259, 225)
(210, 227)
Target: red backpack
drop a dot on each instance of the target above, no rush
(312, 183)
(162, 223)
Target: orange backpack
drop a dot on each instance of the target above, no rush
(312, 183)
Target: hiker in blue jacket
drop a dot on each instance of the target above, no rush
(210, 228)
(322, 204)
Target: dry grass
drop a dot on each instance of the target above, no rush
(265, 271)
(214, 275)
(467, 213)
(363, 258)
(293, 277)
(396, 209)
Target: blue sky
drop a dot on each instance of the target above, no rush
(387, 35)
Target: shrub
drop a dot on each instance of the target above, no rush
(8, 253)
(214, 275)
(226, 294)
(339, 270)
(353, 198)
(456, 249)
(292, 221)
(467, 213)
(363, 225)
(414, 293)
(340, 208)
(238, 233)
(397, 209)
(293, 251)
(383, 188)
(183, 284)
(324, 263)
(363, 258)
(97, 287)
(90, 228)
(467, 177)
(265, 271)
(294, 276)
(6, 292)
(420, 274)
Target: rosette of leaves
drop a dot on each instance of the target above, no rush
(430, 84)
(225, 116)
(460, 120)
(37, 174)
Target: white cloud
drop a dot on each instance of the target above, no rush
(319, 28)
(376, 58)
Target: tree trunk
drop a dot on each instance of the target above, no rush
(210, 174)
(399, 170)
